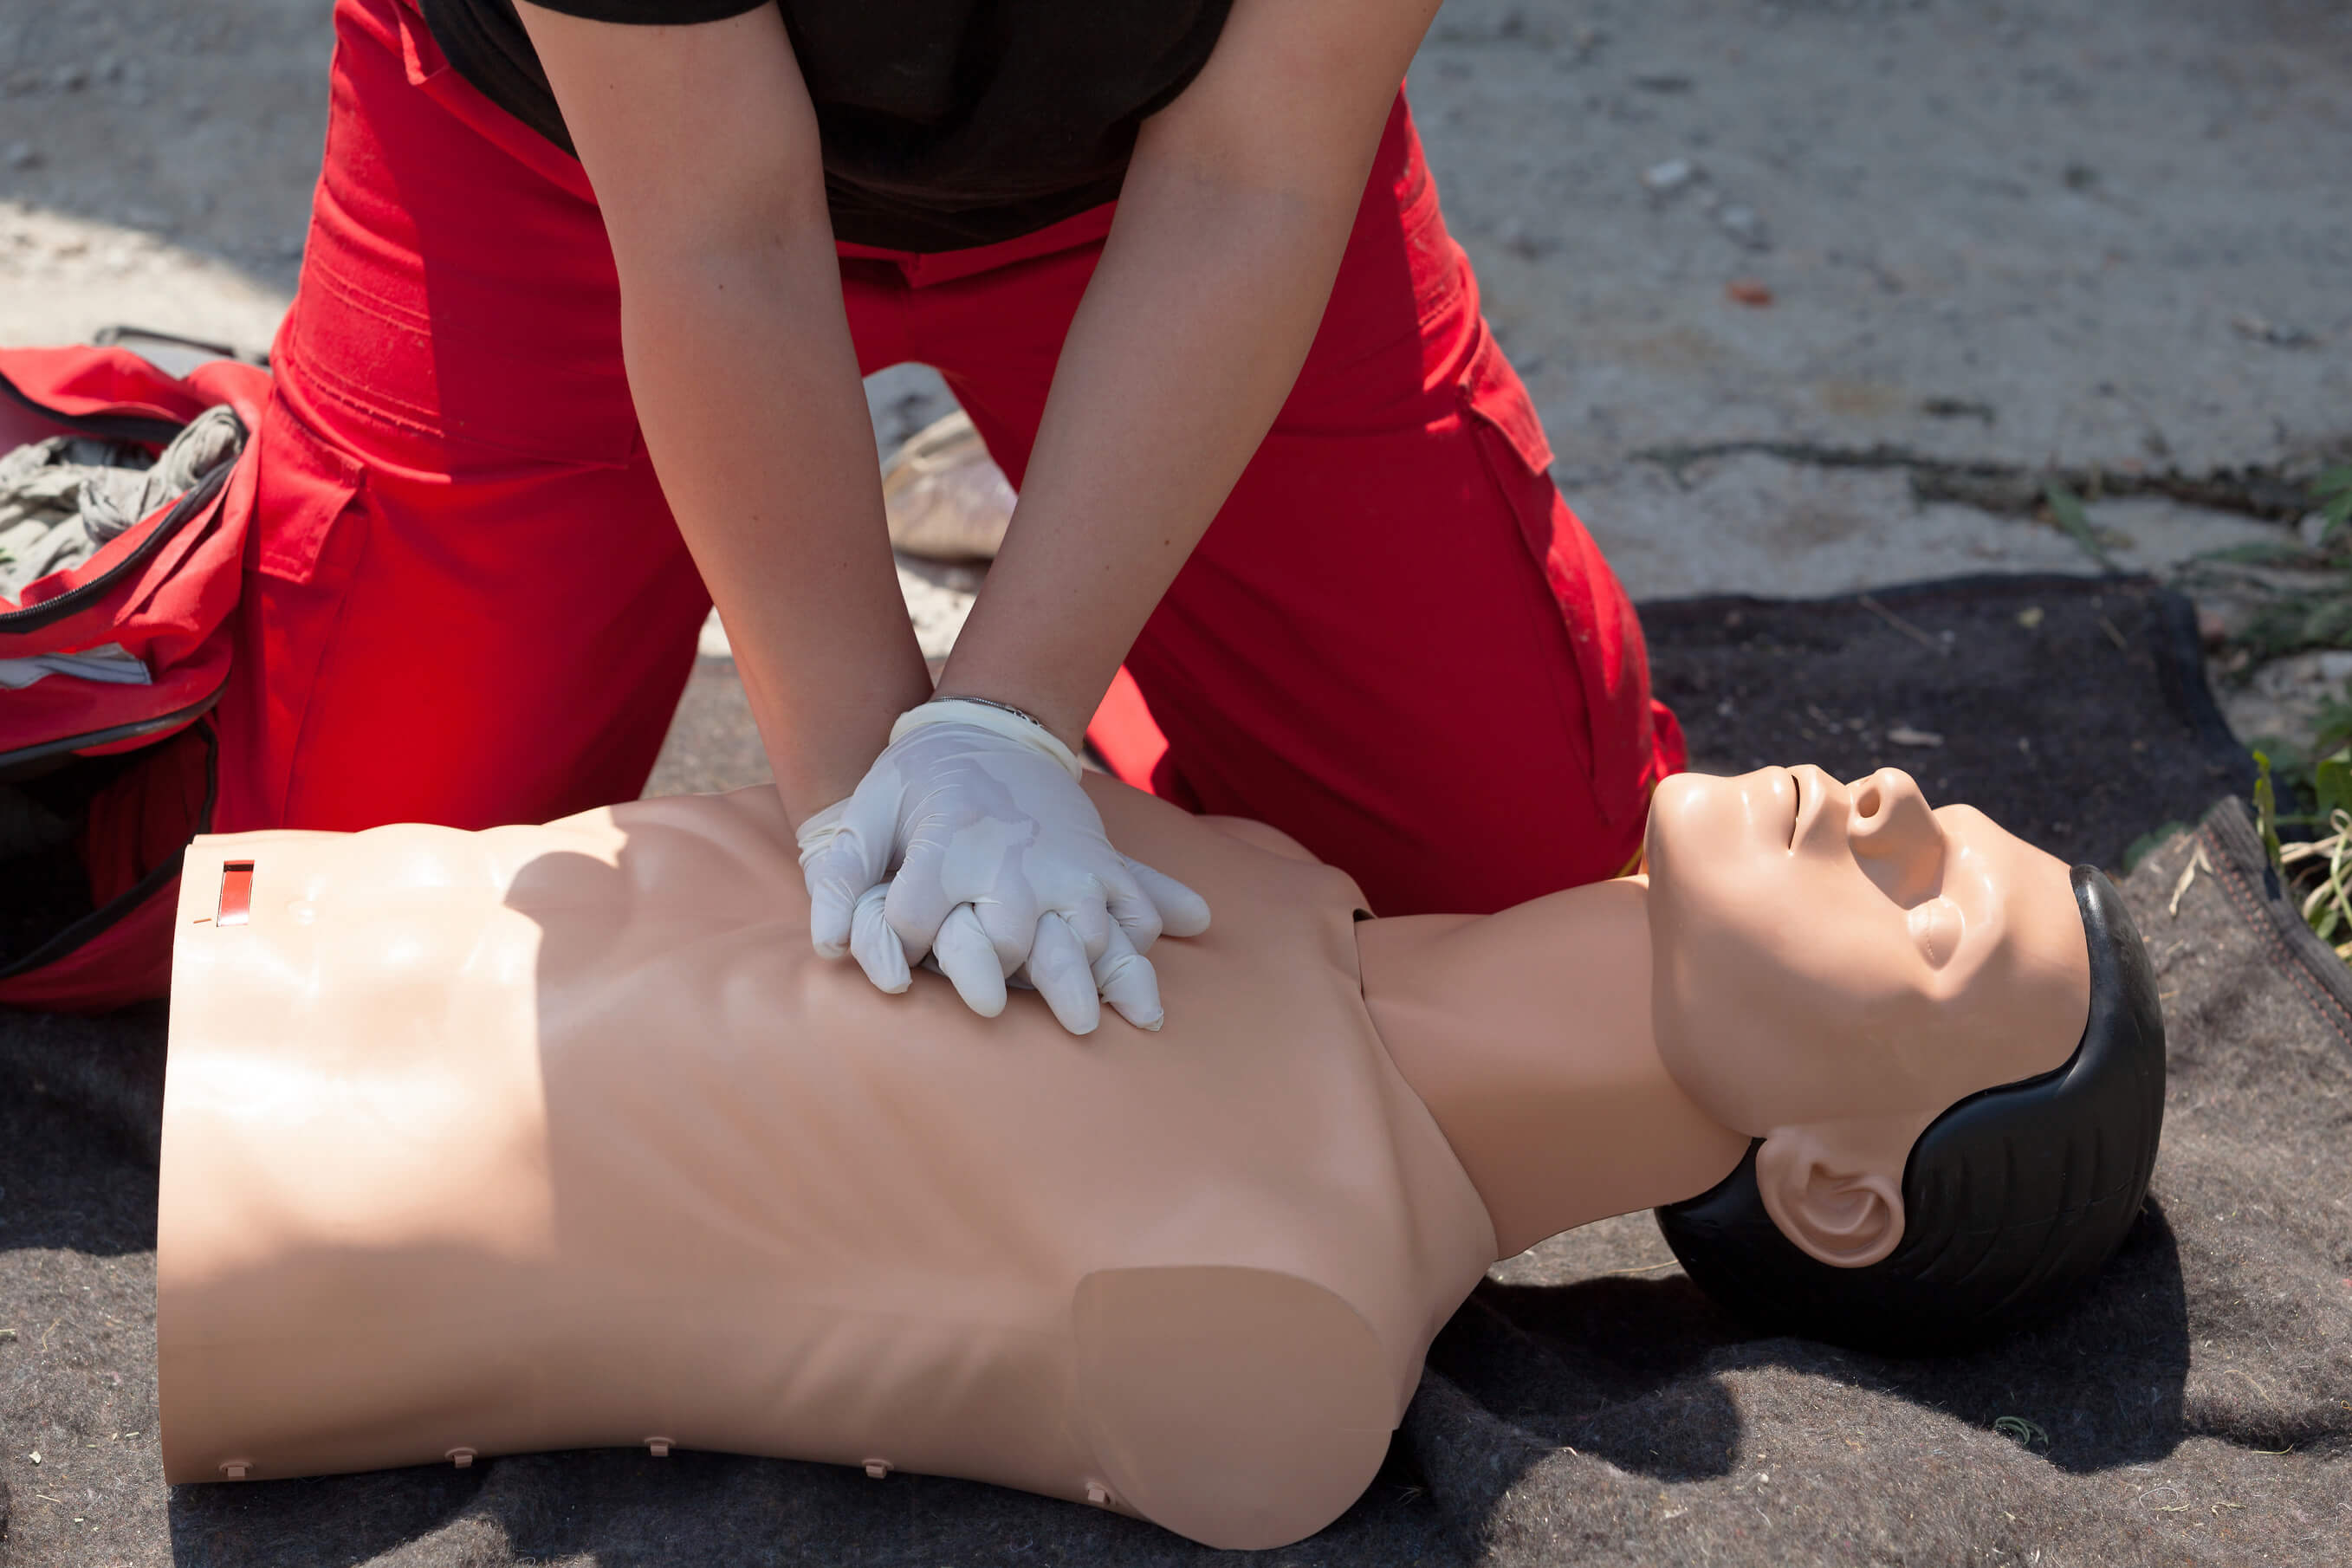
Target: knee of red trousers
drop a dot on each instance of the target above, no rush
(1489, 822)
(1405, 651)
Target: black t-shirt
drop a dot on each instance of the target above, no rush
(945, 123)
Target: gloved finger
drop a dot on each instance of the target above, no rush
(875, 945)
(1130, 909)
(919, 902)
(1125, 979)
(1058, 967)
(838, 872)
(842, 854)
(1090, 920)
(968, 958)
(1009, 915)
(1182, 911)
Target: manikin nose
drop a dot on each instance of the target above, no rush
(1897, 838)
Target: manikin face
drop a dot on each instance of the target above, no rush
(1836, 964)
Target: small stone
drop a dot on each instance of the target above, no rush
(1747, 291)
(21, 156)
(2030, 617)
(2254, 329)
(1905, 735)
(2312, 529)
(1664, 179)
(1517, 240)
(1744, 225)
(69, 78)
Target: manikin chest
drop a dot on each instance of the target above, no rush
(552, 1138)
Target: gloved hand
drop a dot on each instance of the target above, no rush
(969, 843)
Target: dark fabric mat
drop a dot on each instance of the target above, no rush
(1587, 1406)
(2072, 711)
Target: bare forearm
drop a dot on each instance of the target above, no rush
(1188, 340)
(1232, 223)
(703, 147)
(747, 387)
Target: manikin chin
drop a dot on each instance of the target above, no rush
(560, 1137)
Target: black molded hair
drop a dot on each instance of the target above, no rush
(2012, 1198)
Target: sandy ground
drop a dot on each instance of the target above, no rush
(2105, 238)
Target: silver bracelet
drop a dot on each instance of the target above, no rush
(1031, 730)
(1001, 707)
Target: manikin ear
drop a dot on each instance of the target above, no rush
(1838, 1204)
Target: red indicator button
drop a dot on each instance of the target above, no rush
(236, 893)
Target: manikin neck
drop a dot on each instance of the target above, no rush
(1527, 1036)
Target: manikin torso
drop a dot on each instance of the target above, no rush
(555, 1137)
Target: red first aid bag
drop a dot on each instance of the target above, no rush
(104, 777)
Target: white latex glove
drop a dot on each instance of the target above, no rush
(969, 843)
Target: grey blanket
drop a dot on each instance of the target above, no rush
(1587, 1406)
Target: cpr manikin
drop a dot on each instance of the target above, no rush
(555, 1137)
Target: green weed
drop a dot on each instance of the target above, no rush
(2320, 617)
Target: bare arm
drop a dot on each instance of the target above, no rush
(1231, 224)
(702, 146)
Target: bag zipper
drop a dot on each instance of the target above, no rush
(33, 617)
(177, 719)
(99, 921)
(138, 428)
(117, 428)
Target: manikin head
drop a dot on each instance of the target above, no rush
(1945, 1046)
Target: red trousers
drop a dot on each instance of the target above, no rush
(467, 604)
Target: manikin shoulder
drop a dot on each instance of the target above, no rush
(1241, 1407)
(1221, 854)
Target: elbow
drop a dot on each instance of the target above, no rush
(715, 233)
(685, 278)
